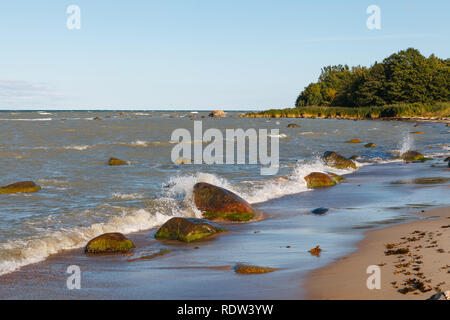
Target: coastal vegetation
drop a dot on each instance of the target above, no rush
(405, 84)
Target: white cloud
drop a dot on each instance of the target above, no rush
(24, 94)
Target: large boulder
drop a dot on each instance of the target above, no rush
(187, 229)
(220, 204)
(319, 180)
(117, 162)
(333, 159)
(218, 114)
(21, 187)
(412, 156)
(109, 243)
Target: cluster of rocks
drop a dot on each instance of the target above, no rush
(216, 204)
(367, 145)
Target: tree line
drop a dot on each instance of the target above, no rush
(403, 77)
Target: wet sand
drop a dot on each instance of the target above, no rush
(428, 262)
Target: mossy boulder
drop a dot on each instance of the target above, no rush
(353, 141)
(319, 180)
(336, 177)
(109, 243)
(335, 160)
(20, 187)
(370, 145)
(187, 229)
(248, 269)
(412, 156)
(220, 204)
(117, 162)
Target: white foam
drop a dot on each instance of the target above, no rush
(79, 148)
(38, 119)
(407, 143)
(127, 196)
(18, 253)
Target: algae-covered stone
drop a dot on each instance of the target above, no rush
(370, 145)
(220, 204)
(187, 229)
(412, 156)
(248, 269)
(183, 161)
(335, 160)
(109, 243)
(336, 177)
(21, 187)
(353, 141)
(117, 162)
(319, 180)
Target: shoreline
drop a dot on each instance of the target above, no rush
(428, 243)
(404, 119)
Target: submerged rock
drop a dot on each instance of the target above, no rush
(220, 204)
(97, 118)
(248, 269)
(412, 156)
(117, 162)
(319, 180)
(353, 141)
(187, 229)
(293, 125)
(109, 243)
(335, 160)
(336, 177)
(370, 145)
(21, 187)
(316, 251)
(320, 211)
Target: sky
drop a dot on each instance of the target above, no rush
(197, 54)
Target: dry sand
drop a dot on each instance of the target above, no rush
(427, 263)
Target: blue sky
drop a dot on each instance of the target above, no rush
(197, 54)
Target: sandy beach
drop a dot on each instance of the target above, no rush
(427, 263)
